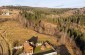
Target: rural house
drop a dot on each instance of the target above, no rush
(28, 48)
(5, 12)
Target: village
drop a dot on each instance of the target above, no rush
(33, 47)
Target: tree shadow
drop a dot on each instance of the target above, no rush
(80, 43)
(63, 50)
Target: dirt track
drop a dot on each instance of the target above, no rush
(4, 46)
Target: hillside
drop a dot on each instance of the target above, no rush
(58, 26)
(12, 31)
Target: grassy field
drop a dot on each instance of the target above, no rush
(38, 49)
(14, 31)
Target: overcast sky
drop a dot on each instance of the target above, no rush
(46, 3)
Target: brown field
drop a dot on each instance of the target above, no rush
(13, 31)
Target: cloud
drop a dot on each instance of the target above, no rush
(6, 2)
(59, 5)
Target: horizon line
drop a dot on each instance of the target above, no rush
(42, 7)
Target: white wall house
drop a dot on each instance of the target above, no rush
(52, 53)
(5, 12)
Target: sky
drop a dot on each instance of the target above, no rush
(46, 3)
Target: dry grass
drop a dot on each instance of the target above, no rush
(14, 31)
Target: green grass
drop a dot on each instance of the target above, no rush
(37, 49)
